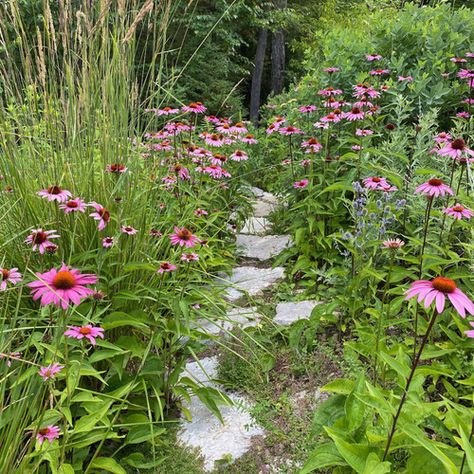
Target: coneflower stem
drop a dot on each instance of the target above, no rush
(407, 386)
(453, 167)
(381, 316)
(291, 158)
(420, 269)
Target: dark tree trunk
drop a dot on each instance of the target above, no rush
(257, 76)
(278, 54)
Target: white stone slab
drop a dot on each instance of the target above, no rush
(288, 313)
(215, 440)
(236, 317)
(250, 280)
(256, 226)
(262, 247)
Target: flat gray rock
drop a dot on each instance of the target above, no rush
(262, 247)
(250, 280)
(214, 439)
(256, 226)
(257, 192)
(288, 313)
(236, 317)
(265, 205)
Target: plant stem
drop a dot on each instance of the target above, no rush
(291, 158)
(409, 380)
(381, 318)
(420, 269)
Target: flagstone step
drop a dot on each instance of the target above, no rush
(256, 226)
(289, 312)
(215, 440)
(262, 247)
(249, 280)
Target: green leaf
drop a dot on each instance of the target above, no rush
(419, 437)
(325, 455)
(344, 386)
(355, 454)
(328, 413)
(468, 449)
(108, 464)
(354, 408)
(375, 466)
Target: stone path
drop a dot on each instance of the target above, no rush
(233, 438)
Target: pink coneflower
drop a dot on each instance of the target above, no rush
(312, 145)
(166, 267)
(55, 193)
(468, 101)
(364, 102)
(239, 155)
(307, 108)
(156, 233)
(89, 332)
(216, 171)
(301, 184)
(331, 70)
(273, 127)
(194, 107)
(332, 103)
(354, 114)
(376, 183)
(373, 57)
(458, 60)
(200, 212)
(249, 138)
(356, 148)
(437, 289)
(442, 137)
(50, 371)
(9, 276)
(214, 139)
(129, 230)
(239, 128)
(405, 79)
(62, 287)
(393, 243)
(321, 125)
(225, 128)
(466, 73)
(470, 333)
(379, 72)
(102, 215)
(50, 433)
(434, 187)
(73, 205)
(458, 212)
(218, 159)
(167, 111)
(469, 55)
(181, 172)
(365, 89)
(183, 237)
(290, 130)
(364, 132)
(190, 257)
(212, 119)
(330, 91)
(331, 118)
(116, 168)
(107, 242)
(464, 115)
(39, 239)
